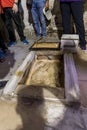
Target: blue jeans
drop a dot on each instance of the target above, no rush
(38, 18)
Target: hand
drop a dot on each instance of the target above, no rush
(15, 8)
(1, 9)
(47, 4)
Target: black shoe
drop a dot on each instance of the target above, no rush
(83, 47)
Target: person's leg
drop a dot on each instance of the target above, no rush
(21, 13)
(66, 17)
(36, 18)
(9, 25)
(40, 6)
(2, 41)
(4, 30)
(2, 46)
(17, 20)
(77, 12)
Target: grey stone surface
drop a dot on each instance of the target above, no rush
(13, 59)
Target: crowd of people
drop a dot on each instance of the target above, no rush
(11, 11)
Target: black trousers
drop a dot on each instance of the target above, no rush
(9, 16)
(2, 43)
(3, 35)
(76, 10)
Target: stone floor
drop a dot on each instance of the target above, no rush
(30, 114)
(26, 114)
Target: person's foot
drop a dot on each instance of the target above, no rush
(10, 44)
(83, 47)
(25, 41)
(37, 38)
(44, 39)
(2, 56)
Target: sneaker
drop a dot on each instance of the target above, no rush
(44, 39)
(2, 56)
(37, 38)
(10, 44)
(25, 41)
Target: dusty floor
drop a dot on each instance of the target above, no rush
(13, 59)
(29, 114)
(24, 114)
(81, 67)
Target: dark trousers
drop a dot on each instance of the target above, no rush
(3, 35)
(3, 30)
(2, 43)
(76, 10)
(9, 16)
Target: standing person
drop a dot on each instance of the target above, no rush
(3, 47)
(38, 17)
(74, 7)
(10, 8)
(4, 38)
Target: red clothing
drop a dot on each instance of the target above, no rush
(7, 3)
(1, 9)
